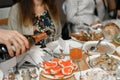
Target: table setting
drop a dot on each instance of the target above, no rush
(88, 55)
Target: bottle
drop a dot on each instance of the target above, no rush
(3, 52)
(5, 77)
(11, 75)
(32, 39)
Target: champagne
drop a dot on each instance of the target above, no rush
(32, 39)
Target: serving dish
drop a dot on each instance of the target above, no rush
(103, 47)
(106, 62)
(84, 36)
(95, 74)
(58, 69)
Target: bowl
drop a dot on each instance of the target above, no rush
(104, 47)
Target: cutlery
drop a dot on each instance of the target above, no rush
(93, 48)
(51, 54)
(62, 56)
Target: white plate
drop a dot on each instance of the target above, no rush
(110, 46)
(95, 56)
(55, 46)
(94, 74)
(1, 75)
(52, 77)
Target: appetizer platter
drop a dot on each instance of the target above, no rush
(58, 69)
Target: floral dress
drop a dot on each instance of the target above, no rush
(40, 23)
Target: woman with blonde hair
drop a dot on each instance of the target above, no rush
(30, 17)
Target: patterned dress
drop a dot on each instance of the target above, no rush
(40, 23)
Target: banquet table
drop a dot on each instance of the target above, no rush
(83, 65)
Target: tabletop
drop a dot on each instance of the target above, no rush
(83, 65)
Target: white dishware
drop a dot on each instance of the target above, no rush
(94, 74)
(54, 78)
(108, 47)
(92, 58)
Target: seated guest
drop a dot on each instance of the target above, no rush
(79, 12)
(112, 8)
(118, 8)
(13, 38)
(31, 17)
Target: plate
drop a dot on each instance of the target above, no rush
(1, 75)
(94, 74)
(90, 35)
(56, 46)
(104, 47)
(95, 61)
(55, 78)
(58, 69)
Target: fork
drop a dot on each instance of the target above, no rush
(62, 56)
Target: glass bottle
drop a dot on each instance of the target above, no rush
(11, 75)
(32, 39)
(5, 77)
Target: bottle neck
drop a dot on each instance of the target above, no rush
(33, 39)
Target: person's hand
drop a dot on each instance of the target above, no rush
(13, 38)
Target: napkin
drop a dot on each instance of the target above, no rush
(33, 56)
(64, 46)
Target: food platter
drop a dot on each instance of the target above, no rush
(104, 47)
(95, 74)
(85, 36)
(55, 78)
(105, 61)
(58, 69)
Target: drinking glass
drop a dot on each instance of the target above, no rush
(75, 53)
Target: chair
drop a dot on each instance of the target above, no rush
(4, 21)
(4, 12)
